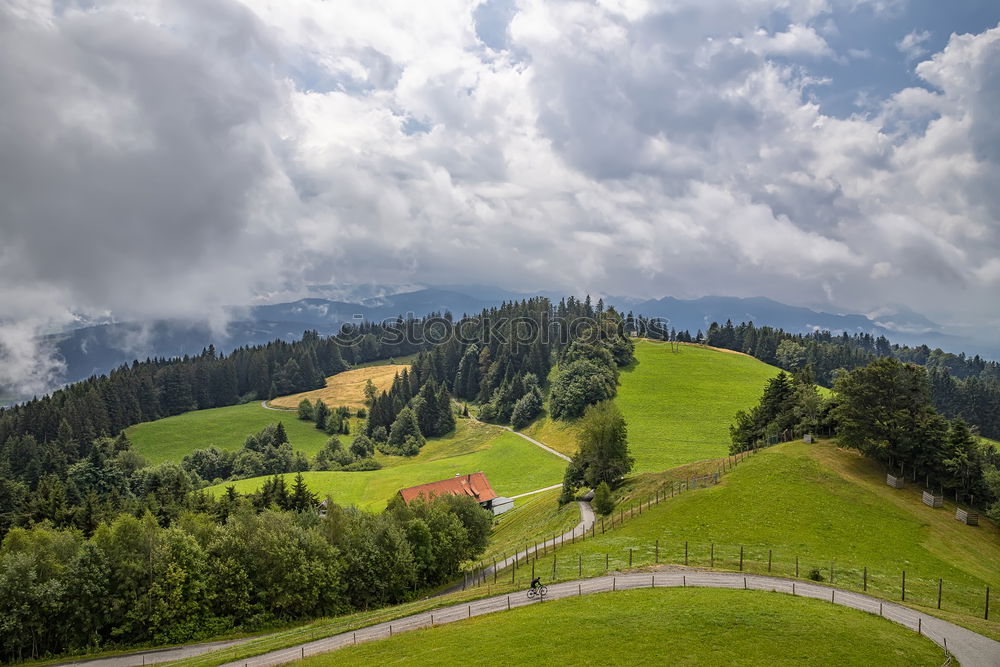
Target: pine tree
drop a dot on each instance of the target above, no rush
(320, 414)
(446, 417)
(280, 437)
(301, 499)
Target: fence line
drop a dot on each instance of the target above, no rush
(905, 586)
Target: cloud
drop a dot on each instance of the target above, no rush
(911, 45)
(797, 40)
(168, 159)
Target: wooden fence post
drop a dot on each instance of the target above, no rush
(796, 567)
(606, 568)
(866, 579)
(768, 560)
(741, 558)
(986, 615)
(940, 583)
(580, 556)
(630, 556)
(712, 556)
(685, 552)
(904, 587)
(657, 550)
(553, 567)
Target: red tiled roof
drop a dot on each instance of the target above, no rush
(475, 485)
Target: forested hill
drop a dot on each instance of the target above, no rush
(960, 386)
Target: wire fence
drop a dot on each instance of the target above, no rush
(955, 594)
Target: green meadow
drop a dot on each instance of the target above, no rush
(172, 438)
(511, 464)
(716, 627)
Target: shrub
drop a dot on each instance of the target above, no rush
(579, 384)
(604, 502)
(815, 574)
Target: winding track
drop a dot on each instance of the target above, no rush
(264, 405)
(970, 648)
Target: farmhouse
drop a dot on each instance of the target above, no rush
(475, 485)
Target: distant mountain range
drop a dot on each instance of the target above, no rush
(99, 348)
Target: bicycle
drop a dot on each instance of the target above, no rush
(540, 592)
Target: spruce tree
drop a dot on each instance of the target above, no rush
(280, 437)
(446, 417)
(320, 413)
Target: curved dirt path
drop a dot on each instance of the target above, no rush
(264, 405)
(538, 444)
(970, 648)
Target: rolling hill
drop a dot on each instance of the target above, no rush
(823, 508)
(678, 405)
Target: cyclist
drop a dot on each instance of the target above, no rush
(535, 583)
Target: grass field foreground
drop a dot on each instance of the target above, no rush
(675, 626)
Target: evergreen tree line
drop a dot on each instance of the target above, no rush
(500, 359)
(103, 406)
(885, 411)
(134, 580)
(960, 386)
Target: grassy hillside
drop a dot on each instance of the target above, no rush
(347, 388)
(172, 438)
(716, 627)
(679, 405)
(826, 507)
(512, 465)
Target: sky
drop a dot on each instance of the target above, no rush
(167, 159)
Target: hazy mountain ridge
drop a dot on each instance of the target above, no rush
(99, 348)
